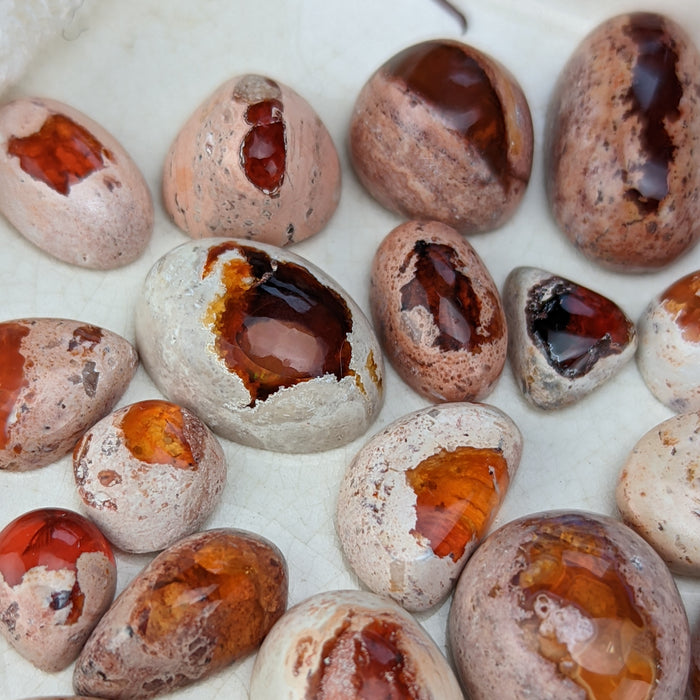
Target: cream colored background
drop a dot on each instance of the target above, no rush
(140, 67)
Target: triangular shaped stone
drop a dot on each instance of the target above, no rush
(565, 339)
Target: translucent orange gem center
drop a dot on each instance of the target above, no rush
(583, 613)
(682, 301)
(210, 584)
(367, 662)
(60, 154)
(457, 495)
(154, 433)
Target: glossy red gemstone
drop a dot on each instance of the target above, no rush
(462, 95)
(276, 324)
(574, 326)
(55, 539)
(60, 154)
(441, 287)
(264, 149)
(50, 537)
(12, 378)
(370, 661)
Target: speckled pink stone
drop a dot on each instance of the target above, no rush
(59, 377)
(438, 313)
(442, 131)
(622, 144)
(206, 187)
(105, 218)
(658, 491)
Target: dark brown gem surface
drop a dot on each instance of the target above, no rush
(654, 97)
(574, 326)
(440, 287)
(460, 92)
(276, 325)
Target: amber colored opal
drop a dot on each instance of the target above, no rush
(60, 154)
(464, 97)
(55, 539)
(12, 379)
(204, 602)
(448, 294)
(215, 574)
(457, 494)
(571, 568)
(264, 148)
(154, 432)
(276, 324)
(682, 301)
(575, 326)
(369, 660)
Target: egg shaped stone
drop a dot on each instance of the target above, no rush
(198, 606)
(149, 474)
(57, 578)
(350, 644)
(253, 161)
(263, 346)
(669, 344)
(438, 313)
(567, 604)
(420, 495)
(658, 491)
(443, 132)
(70, 187)
(622, 143)
(57, 378)
(565, 340)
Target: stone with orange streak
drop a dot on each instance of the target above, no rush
(344, 645)
(149, 474)
(200, 605)
(669, 344)
(57, 378)
(420, 495)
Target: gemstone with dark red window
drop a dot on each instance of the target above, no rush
(574, 326)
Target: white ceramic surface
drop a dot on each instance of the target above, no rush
(140, 67)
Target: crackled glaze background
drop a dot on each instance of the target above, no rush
(140, 67)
